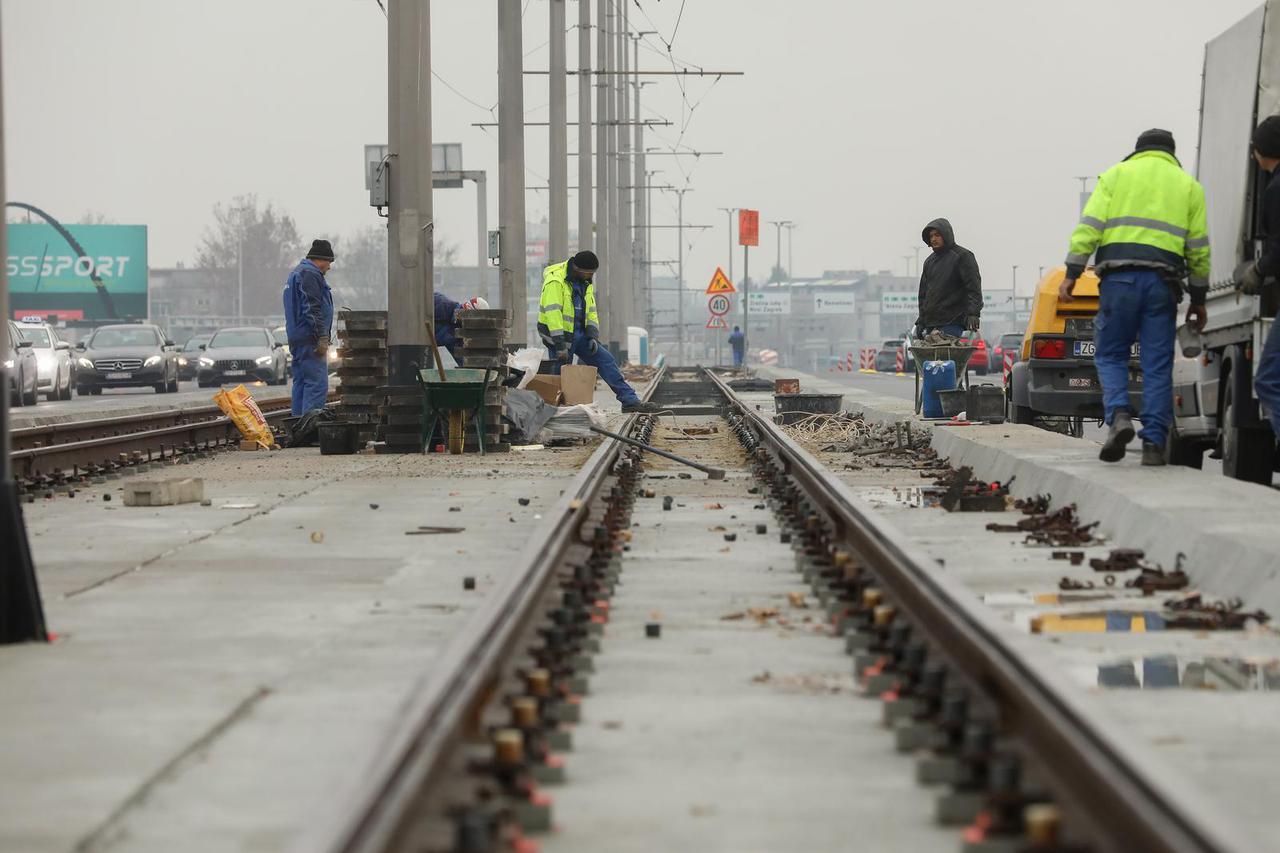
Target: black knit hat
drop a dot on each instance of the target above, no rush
(1155, 140)
(586, 261)
(1266, 138)
(321, 250)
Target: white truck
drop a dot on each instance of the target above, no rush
(1214, 405)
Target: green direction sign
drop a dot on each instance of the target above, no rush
(48, 276)
(909, 303)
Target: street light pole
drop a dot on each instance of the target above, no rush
(585, 218)
(729, 212)
(777, 233)
(680, 271)
(604, 216)
(791, 270)
(557, 124)
(511, 168)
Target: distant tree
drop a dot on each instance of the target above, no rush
(359, 277)
(267, 242)
(94, 217)
(778, 274)
(447, 253)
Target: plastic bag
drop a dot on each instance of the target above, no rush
(238, 405)
(527, 361)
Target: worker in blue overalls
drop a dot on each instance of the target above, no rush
(569, 325)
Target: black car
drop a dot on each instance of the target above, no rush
(126, 356)
(245, 354)
(189, 358)
(21, 367)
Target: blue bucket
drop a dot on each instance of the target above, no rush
(938, 376)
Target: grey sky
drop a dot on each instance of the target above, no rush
(859, 120)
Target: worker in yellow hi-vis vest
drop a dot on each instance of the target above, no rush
(570, 326)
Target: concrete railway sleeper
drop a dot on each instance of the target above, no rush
(1017, 760)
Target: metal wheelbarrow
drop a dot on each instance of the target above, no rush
(921, 352)
(457, 397)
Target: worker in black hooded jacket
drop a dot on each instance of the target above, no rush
(950, 285)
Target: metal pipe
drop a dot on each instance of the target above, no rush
(585, 219)
(558, 168)
(712, 473)
(602, 160)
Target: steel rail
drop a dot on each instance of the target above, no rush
(1086, 762)
(45, 435)
(380, 810)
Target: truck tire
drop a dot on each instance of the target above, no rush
(1021, 414)
(1248, 453)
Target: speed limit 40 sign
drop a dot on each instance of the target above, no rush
(718, 305)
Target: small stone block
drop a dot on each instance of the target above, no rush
(937, 770)
(899, 709)
(653, 630)
(560, 740)
(533, 817)
(177, 490)
(547, 774)
(856, 641)
(959, 809)
(909, 735)
(468, 582)
(879, 683)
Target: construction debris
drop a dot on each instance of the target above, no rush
(1044, 528)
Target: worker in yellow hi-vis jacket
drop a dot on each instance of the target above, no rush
(570, 326)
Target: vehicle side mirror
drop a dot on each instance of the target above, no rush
(276, 345)
(62, 345)
(24, 344)
(80, 345)
(169, 343)
(203, 346)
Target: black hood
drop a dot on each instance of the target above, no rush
(944, 228)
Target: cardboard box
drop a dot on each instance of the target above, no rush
(548, 387)
(175, 490)
(577, 384)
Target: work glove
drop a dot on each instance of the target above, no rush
(562, 351)
(916, 330)
(322, 346)
(593, 346)
(971, 323)
(1249, 279)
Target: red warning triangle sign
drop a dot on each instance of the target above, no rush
(717, 323)
(720, 284)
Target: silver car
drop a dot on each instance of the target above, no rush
(53, 359)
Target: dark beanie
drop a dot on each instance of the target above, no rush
(1266, 138)
(1155, 140)
(586, 260)
(321, 250)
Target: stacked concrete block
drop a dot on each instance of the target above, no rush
(362, 369)
(484, 338)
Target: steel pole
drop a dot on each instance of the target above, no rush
(482, 233)
(625, 294)
(410, 228)
(603, 217)
(680, 273)
(729, 212)
(746, 306)
(511, 169)
(21, 613)
(640, 294)
(585, 218)
(557, 124)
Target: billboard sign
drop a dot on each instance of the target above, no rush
(748, 227)
(48, 276)
(909, 303)
(769, 304)
(833, 303)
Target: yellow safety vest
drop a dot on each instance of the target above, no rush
(1145, 211)
(555, 306)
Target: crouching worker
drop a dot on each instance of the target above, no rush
(447, 314)
(569, 325)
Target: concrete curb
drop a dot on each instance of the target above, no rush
(1227, 529)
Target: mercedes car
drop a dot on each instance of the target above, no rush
(21, 368)
(244, 354)
(126, 356)
(189, 357)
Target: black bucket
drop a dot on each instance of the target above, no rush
(985, 403)
(339, 437)
(797, 407)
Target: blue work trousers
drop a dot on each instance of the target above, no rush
(604, 364)
(1266, 382)
(310, 379)
(955, 330)
(1136, 304)
(737, 356)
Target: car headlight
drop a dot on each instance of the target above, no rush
(153, 361)
(84, 362)
(333, 354)
(182, 362)
(266, 359)
(8, 364)
(206, 362)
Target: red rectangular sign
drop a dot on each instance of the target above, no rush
(748, 227)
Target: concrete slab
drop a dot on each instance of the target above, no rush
(729, 732)
(1225, 528)
(222, 671)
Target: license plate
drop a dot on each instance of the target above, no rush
(1079, 382)
(119, 375)
(1086, 349)
(233, 373)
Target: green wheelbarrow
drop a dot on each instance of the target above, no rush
(455, 398)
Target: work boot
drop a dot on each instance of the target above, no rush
(1152, 454)
(1118, 439)
(641, 408)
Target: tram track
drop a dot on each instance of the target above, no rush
(490, 723)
